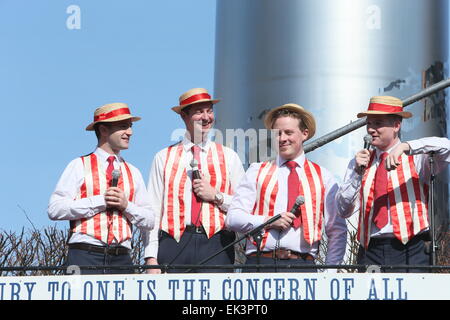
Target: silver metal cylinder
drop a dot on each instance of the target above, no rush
(330, 57)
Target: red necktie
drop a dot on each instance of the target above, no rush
(110, 169)
(380, 195)
(196, 203)
(293, 190)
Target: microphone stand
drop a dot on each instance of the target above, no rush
(431, 210)
(256, 234)
(258, 239)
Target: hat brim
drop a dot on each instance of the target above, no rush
(306, 116)
(90, 127)
(178, 109)
(403, 114)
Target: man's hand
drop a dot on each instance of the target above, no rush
(203, 189)
(393, 158)
(283, 223)
(362, 160)
(115, 199)
(152, 262)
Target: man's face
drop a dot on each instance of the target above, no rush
(199, 119)
(384, 130)
(290, 137)
(118, 134)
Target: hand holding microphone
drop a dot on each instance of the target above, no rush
(200, 186)
(115, 197)
(287, 218)
(295, 208)
(362, 158)
(195, 170)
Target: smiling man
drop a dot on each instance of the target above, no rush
(388, 186)
(101, 215)
(190, 212)
(270, 188)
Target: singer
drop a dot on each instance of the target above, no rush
(190, 212)
(103, 196)
(391, 192)
(271, 187)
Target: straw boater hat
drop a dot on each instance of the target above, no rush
(306, 117)
(193, 96)
(385, 105)
(111, 113)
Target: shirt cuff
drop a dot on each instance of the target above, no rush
(98, 204)
(258, 220)
(414, 146)
(226, 202)
(142, 218)
(151, 251)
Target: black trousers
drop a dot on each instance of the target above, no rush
(391, 251)
(278, 262)
(88, 258)
(195, 247)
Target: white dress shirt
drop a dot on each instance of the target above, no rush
(240, 217)
(235, 171)
(62, 205)
(348, 200)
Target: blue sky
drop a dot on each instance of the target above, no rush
(141, 52)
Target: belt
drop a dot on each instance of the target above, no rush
(382, 241)
(193, 229)
(284, 254)
(114, 251)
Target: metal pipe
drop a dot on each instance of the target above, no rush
(310, 146)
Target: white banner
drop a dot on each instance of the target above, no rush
(229, 286)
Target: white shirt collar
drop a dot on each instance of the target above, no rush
(103, 155)
(188, 144)
(300, 160)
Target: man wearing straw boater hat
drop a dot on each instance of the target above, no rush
(388, 186)
(190, 211)
(102, 196)
(272, 187)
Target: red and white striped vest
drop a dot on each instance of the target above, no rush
(104, 226)
(174, 202)
(311, 187)
(408, 201)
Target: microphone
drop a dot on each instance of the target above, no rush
(367, 141)
(195, 171)
(298, 202)
(115, 178)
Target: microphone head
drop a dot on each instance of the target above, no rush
(299, 200)
(116, 174)
(194, 164)
(368, 139)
